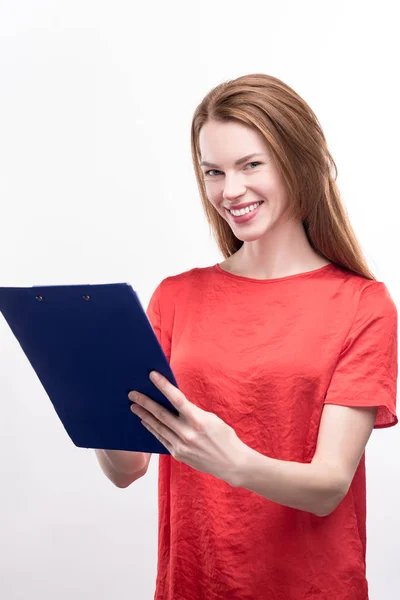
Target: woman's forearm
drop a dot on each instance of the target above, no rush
(313, 487)
(122, 467)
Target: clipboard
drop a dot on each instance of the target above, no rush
(90, 345)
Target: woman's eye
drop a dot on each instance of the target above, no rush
(216, 171)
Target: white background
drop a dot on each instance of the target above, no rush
(97, 186)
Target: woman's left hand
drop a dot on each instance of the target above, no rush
(195, 437)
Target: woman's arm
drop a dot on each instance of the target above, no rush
(317, 487)
(121, 466)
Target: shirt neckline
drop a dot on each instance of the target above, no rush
(306, 274)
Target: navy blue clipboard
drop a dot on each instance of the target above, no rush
(90, 345)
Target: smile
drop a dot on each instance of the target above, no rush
(245, 214)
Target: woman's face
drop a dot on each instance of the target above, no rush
(255, 179)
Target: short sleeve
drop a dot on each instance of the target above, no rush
(366, 371)
(153, 312)
(158, 313)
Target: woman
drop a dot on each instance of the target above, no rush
(286, 357)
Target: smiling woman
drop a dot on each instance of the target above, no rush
(286, 357)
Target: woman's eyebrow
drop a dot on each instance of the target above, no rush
(205, 163)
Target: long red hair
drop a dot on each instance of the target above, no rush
(298, 145)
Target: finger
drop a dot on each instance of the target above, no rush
(155, 414)
(174, 395)
(160, 437)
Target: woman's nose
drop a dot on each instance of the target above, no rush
(233, 187)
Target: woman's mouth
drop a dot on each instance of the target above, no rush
(246, 214)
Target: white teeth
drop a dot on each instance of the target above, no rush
(243, 211)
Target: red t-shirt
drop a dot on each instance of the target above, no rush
(265, 356)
